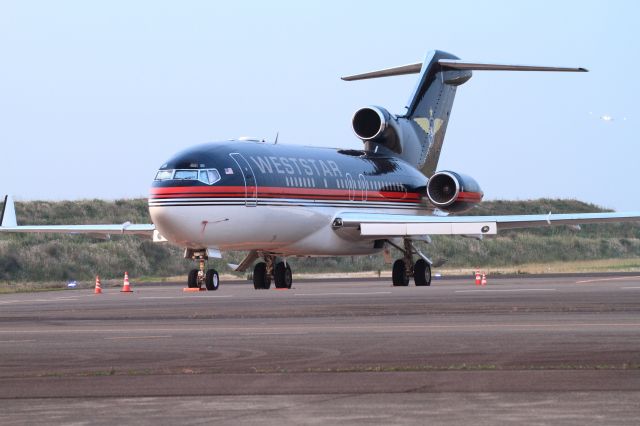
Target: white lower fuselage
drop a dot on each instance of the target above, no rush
(290, 230)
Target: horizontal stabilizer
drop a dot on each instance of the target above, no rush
(388, 72)
(476, 66)
(458, 65)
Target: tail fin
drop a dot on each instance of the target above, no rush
(430, 105)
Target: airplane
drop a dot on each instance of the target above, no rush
(279, 202)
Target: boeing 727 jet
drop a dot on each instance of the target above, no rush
(279, 202)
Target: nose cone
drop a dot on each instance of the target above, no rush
(170, 224)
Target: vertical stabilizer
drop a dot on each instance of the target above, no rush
(430, 107)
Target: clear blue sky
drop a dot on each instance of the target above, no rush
(96, 95)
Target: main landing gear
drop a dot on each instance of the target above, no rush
(202, 276)
(265, 271)
(404, 269)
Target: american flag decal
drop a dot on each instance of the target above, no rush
(228, 171)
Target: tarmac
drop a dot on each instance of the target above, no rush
(536, 350)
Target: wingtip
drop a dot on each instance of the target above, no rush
(8, 214)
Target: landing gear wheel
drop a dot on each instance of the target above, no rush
(399, 274)
(422, 273)
(212, 280)
(288, 277)
(282, 275)
(192, 281)
(260, 279)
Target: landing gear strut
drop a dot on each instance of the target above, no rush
(201, 276)
(404, 269)
(265, 271)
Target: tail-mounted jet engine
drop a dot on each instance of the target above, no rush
(376, 126)
(453, 192)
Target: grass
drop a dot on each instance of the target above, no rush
(32, 262)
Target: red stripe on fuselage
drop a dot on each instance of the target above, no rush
(280, 192)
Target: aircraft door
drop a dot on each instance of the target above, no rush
(250, 185)
(351, 185)
(364, 187)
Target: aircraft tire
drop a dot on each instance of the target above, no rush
(282, 275)
(192, 281)
(288, 277)
(212, 280)
(260, 280)
(399, 274)
(278, 275)
(422, 273)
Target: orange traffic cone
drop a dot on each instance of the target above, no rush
(126, 288)
(484, 280)
(98, 289)
(478, 280)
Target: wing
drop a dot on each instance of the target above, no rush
(9, 224)
(125, 228)
(390, 225)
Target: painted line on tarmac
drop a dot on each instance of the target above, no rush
(59, 299)
(213, 297)
(137, 337)
(160, 297)
(342, 294)
(182, 297)
(596, 280)
(505, 290)
(17, 341)
(630, 288)
(308, 329)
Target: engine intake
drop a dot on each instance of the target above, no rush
(370, 122)
(453, 192)
(375, 124)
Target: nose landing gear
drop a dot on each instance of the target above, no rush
(200, 277)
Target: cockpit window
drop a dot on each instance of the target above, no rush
(207, 176)
(210, 176)
(186, 175)
(164, 175)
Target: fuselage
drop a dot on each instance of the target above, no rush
(247, 195)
